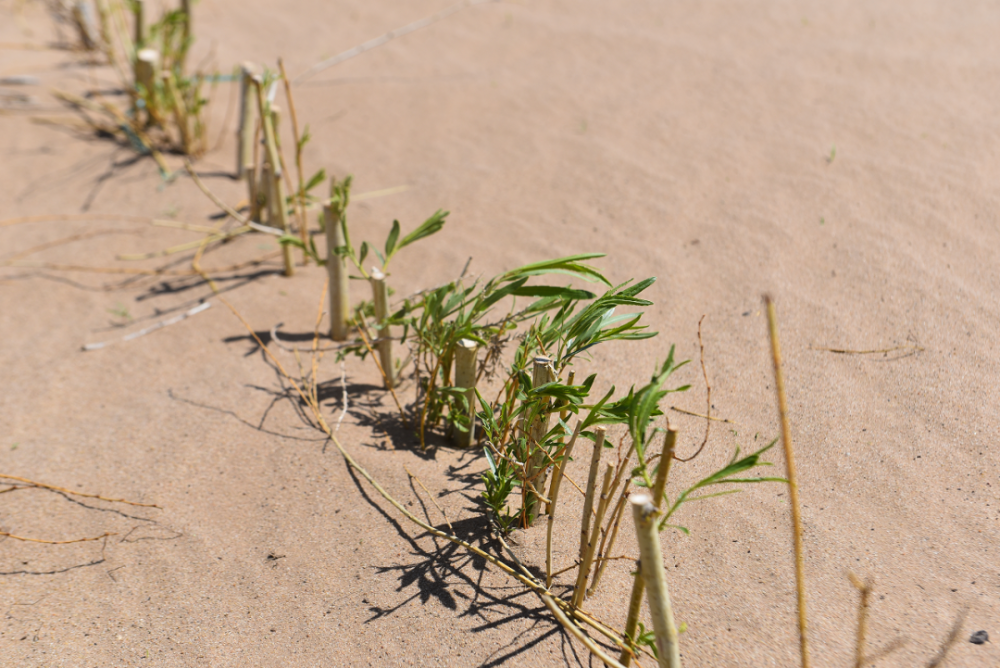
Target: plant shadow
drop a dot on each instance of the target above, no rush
(453, 577)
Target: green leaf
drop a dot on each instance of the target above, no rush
(427, 228)
(390, 243)
(364, 252)
(316, 179)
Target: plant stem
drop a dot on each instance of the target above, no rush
(557, 476)
(336, 267)
(646, 518)
(380, 295)
(793, 487)
(588, 506)
(595, 531)
(301, 193)
(276, 190)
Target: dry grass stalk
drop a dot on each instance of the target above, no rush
(588, 507)
(380, 295)
(865, 589)
(275, 190)
(645, 515)
(336, 267)
(465, 376)
(557, 476)
(793, 487)
(301, 190)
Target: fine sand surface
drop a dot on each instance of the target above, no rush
(844, 157)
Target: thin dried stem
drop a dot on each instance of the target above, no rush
(54, 488)
(56, 542)
(793, 487)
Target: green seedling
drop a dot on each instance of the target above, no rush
(121, 311)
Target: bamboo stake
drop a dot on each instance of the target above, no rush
(336, 267)
(588, 507)
(557, 476)
(465, 376)
(541, 373)
(638, 585)
(645, 515)
(793, 486)
(380, 295)
(245, 133)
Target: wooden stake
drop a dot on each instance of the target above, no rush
(588, 507)
(536, 470)
(793, 486)
(557, 476)
(336, 267)
(245, 133)
(380, 295)
(638, 585)
(646, 517)
(146, 63)
(465, 376)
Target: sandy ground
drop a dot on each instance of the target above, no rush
(843, 156)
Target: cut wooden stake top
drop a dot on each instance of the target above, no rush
(645, 515)
(146, 63)
(465, 376)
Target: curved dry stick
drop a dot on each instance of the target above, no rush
(708, 398)
(54, 488)
(57, 542)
